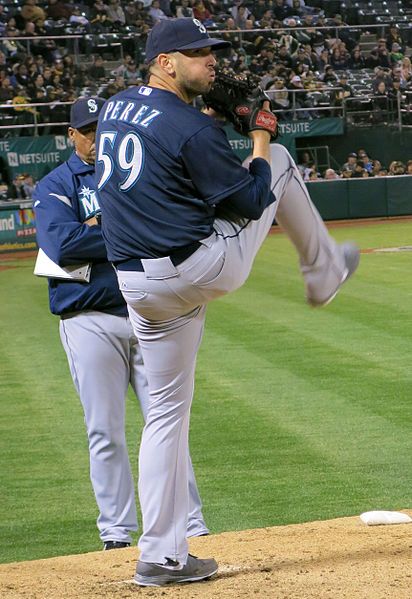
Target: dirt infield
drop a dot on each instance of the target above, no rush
(335, 559)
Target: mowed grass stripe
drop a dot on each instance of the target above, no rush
(278, 386)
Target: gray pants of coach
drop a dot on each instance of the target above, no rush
(104, 357)
(167, 306)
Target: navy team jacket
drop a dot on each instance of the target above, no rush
(63, 200)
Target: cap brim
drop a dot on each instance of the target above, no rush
(204, 43)
(85, 122)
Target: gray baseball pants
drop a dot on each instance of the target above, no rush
(104, 357)
(167, 306)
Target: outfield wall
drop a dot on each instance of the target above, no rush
(335, 200)
(17, 227)
(362, 198)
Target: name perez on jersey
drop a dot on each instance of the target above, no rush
(129, 113)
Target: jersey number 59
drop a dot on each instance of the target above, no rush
(126, 155)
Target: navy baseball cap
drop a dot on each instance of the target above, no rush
(85, 111)
(173, 35)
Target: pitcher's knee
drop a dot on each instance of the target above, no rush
(280, 153)
(104, 444)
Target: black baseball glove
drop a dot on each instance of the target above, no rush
(240, 100)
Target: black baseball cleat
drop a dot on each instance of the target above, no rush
(115, 545)
(156, 575)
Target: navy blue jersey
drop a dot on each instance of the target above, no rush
(162, 167)
(63, 200)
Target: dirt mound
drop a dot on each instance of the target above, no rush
(336, 559)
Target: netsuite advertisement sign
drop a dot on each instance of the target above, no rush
(288, 132)
(36, 156)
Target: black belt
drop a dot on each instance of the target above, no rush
(177, 257)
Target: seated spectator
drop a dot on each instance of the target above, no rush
(405, 74)
(366, 161)
(409, 167)
(346, 174)
(372, 60)
(289, 42)
(310, 170)
(251, 41)
(330, 175)
(184, 9)
(131, 14)
(384, 59)
(201, 13)
(166, 8)
(396, 168)
(306, 159)
(298, 7)
(303, 56)
(6, 90)
(3, 18)
(259, 9)
(376, 168)
(314, 176)
(339, 60)
(323, 61)
(28, 184)
(36, 85)
(16, 189)
(58, 10)
(96, 71)
(281, 10)
(100, 23)
(396, 55)
(282, 57)
(343, 91)
(31, 12)
(237, 7)
(112, 88)
(99, 7)
(20, 76)
(132, 75)
(241, 17)
(394, 36)
(12, 48)
(279, 94)
(115, 13)
(381, 75)
(78, 19)
(329, 76)
(359, 171)
(350, 163)
(356, 60)
(380, 103)
(394, 95)
(156, 13)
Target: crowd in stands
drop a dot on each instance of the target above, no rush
(300, 51)
(358, 165)
(294, 47)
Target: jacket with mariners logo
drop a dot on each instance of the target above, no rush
(63, 200)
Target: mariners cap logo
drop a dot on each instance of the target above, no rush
(200, 25)
(85, 111)
(92, 105)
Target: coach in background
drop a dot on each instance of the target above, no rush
(102, 350)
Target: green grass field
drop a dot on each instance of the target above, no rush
(299, 414)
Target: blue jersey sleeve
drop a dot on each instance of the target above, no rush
(60, 233)
(218, 174)
(251, 200)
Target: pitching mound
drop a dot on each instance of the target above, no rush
(337, 559)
